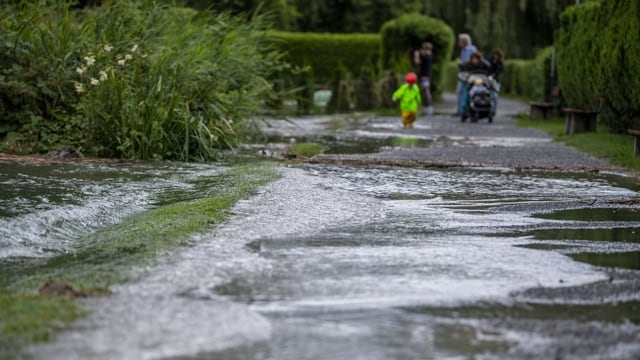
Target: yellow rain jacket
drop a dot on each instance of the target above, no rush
(409, 96)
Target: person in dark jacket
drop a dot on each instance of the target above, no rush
(424, 59)
(476, 65)
(497, 66)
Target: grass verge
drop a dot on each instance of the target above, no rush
(109, 256)
(617, 149)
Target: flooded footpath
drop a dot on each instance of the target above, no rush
(492, 246)
(384, 263)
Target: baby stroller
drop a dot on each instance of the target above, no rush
(479, 99)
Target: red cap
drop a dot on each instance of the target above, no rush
(411, 78)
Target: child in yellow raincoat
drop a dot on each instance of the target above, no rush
(409, 96)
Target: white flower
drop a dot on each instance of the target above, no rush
(90, 60)
(81, 70)
(108, 48)
(78, 86)
(121, 62)
(134, 48)
(103, 75)
(128, 57)
(95, 81)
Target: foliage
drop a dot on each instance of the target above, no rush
(283, 12)
(132, 80)
(30, 318)
(404, 34)
(342, 61)
(599, 56)
(521, 28)
(323, 53)
(528, 78)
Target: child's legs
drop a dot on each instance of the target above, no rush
(408, 118)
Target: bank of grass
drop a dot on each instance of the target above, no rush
(109, 256)
(617, 149)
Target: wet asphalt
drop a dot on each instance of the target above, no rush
(382, 262)
(443, 139)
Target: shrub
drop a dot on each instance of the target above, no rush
(323, 53)
(404, 34)
(133, 80)
(329, 59)
(599, 55)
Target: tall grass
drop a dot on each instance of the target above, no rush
(141, 80)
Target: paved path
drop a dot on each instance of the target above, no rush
(443, 139)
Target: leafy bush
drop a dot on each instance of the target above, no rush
(599, 56)
(323, 53)
(338, 60)
(404, 34)
(133, 80)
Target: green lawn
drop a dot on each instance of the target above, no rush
(617, 149)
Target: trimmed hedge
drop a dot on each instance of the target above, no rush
(402, 35)
(342, 61)
(599, 56)
(528, 78)
(324, 53)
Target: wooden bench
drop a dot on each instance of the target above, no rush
(541, 110)
(579, 121)
(636, 144)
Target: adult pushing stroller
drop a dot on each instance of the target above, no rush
(478, 102)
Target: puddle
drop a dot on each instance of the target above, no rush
(619, 312)
(593, 214)
(352, 145)
(622, 234)
(540, 246)
(624, 260)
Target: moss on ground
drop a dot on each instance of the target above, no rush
(306, 149)
(108, 256)
(617, 149)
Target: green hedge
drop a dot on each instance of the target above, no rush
(324, 53)
(599, 56)
(345, 62)
(404, 34)
(528, 78)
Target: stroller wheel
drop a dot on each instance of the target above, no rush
(474, 119)
(490, 119)
(463, 118)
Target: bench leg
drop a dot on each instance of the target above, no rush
(568, 125)
(534, 114)
(636, 146)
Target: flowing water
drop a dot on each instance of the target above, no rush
(352, 263)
